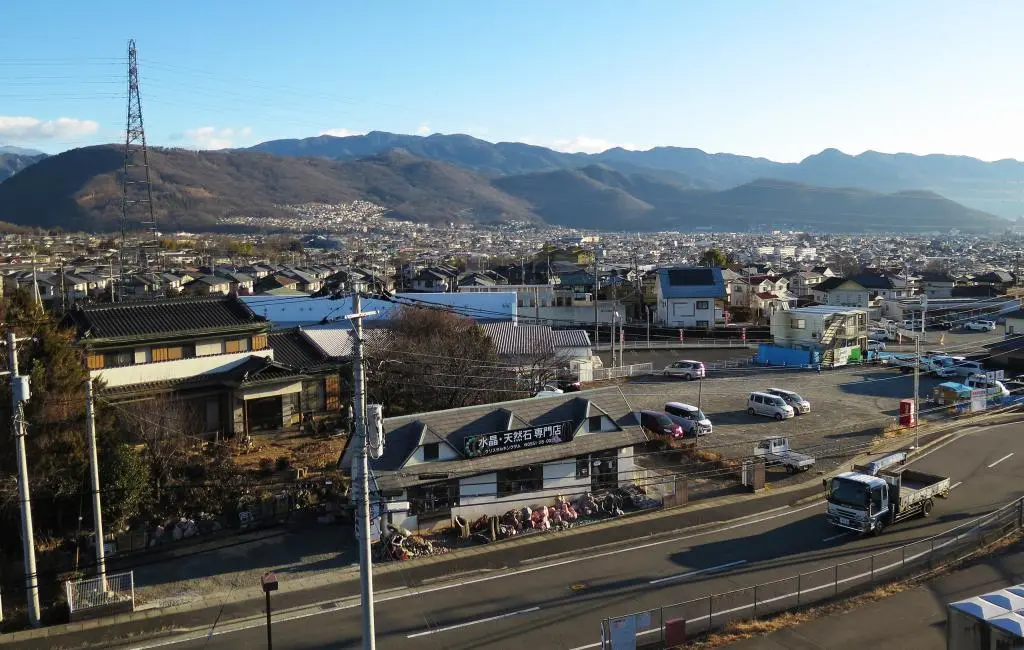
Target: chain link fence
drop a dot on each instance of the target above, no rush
(668, 624)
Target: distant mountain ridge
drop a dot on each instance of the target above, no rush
(996, 187)
(12, 162)
(78, 190)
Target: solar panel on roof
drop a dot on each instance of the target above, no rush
(690, 277)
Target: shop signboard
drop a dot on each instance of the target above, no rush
(488, 444)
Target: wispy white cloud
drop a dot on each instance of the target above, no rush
(32, 129)
(585, 144)
(423, 129)
(211, 137)
(340, 133)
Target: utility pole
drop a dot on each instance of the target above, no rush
(360, 476)
(19, 395)
(94, 476)
(917, 376)
(597, 319)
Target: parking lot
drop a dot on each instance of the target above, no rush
(848, 405)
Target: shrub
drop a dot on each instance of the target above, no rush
(282, 463)
(266, 466)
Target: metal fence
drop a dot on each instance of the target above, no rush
(661, 625)
(685, 343)
(631, 370)
(91, 593)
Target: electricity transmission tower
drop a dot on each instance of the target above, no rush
(135, 186)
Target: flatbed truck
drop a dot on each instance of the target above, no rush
(868, 503)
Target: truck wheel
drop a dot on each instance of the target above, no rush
(926, 509)
(750, 411)
(878, 529)
(789, 469)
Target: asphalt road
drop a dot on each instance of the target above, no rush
(559, 602)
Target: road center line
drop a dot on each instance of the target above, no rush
(956, 485)
(448, 628)
(829, 539)
(698, 572)
(1000, 460)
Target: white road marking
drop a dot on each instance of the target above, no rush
(697, 572)
(448, 628)
(829, 539)
(1000, 460)
(956, 485)
(352, 602)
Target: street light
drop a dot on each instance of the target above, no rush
(269, 582)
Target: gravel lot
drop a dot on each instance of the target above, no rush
(844, 403)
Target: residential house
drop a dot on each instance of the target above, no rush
(687, 296)
(306, 282)
(207, 285)
(750, 291)
(434, 280)
(938, 285)
(277, 284)
(486, 460)
(241, 283)
(999, 280)
(844, 292)
(802, 283)
(210, 354)
(829, 331)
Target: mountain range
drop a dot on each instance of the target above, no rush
(12, 162)
(995, 187)
(79, 189)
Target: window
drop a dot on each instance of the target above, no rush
(95, 361)
(332, 390)
(520, 479)
(236, 345)
(799, 324)
(702, 324)
(594, 423)
(118, 359)
(259, 342)
(431, 451)
(169, 353)
(702, 304)
(582, 466)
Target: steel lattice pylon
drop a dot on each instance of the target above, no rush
(135, 181)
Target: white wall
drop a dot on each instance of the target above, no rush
(295, 387)
(178, 369)
(626, 466)
(444, 452)
(683, 312)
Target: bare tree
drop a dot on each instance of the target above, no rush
(431, 359)
(166, 428)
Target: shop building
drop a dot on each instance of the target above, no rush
(486, 460)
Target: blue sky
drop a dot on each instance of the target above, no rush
(775, 78)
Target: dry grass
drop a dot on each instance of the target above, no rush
(741, 630)
(315, 455)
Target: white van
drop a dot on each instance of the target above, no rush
(772, 406)
(691, 418)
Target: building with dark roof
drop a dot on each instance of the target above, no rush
(211, 353)
(690, 296)
(488, 459)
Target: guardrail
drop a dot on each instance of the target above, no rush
(632, 370)
(670, 625)
(686, 343)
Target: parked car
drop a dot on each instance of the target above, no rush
(686, 369)
(548, 391)
(660, 424)
(772, 406)
(968, 368)
(690, 418)
(799, 404)
(876, 346)
(980, 326)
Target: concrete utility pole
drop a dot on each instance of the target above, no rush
(597, 318)
(94, 477)
(19, 395)
(917, 376)
(360, 476)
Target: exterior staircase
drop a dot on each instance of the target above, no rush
(827, 341)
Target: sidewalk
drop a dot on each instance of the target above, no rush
(911, 620)
(328, 577)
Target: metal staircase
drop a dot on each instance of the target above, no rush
(828, 338)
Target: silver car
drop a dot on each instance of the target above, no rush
(799, 404)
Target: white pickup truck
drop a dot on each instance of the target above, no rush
(776, 451)
(943, 366)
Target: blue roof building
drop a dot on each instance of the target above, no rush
(686, 296)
